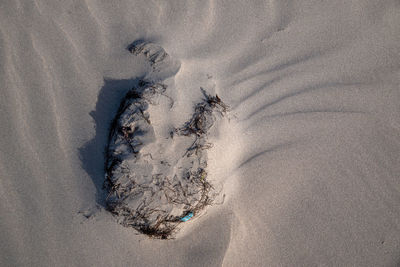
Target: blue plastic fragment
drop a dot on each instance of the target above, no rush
(187, 217)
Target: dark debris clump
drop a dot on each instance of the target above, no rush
(155, 203)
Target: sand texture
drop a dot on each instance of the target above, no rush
(304, 167)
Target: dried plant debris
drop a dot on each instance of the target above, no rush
(152, 191)
(153, 52)
(155, 185)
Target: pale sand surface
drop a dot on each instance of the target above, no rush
(309, 162)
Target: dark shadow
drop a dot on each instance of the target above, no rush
(92, 153)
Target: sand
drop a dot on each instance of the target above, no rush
(309, 161)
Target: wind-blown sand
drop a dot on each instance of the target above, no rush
(309, 161)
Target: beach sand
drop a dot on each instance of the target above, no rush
(308, 160)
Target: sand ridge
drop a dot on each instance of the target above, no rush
(310, 165)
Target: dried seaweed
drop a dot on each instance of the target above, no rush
(154, 203)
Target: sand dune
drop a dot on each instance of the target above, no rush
(309, 161)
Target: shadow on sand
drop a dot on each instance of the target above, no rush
(92, 153)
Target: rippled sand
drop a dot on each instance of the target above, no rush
(309, 162)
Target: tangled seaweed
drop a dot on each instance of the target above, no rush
(147, 189)
(155, 203)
